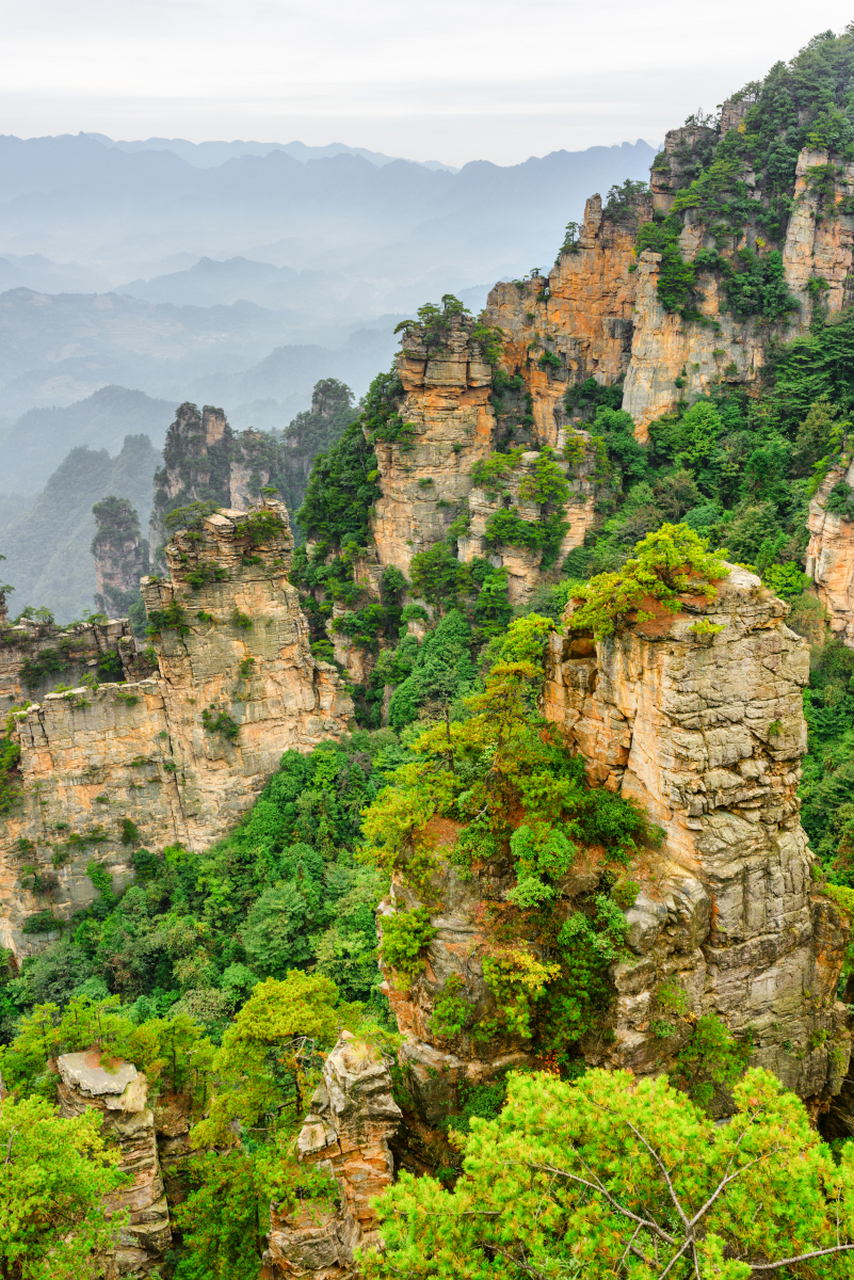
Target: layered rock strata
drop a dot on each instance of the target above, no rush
(120, 555)
(706, 732)
(347, 1132)
(36, 656)
(427, 483)
(830, 556)
(117, 1090)
(179, 757)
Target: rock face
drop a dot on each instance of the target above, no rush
(119, 1093)
(427, 482)
(177, 758)
(347, 1132)
(707, 733)
(583, 313)
(196, 466)
(36, 656)
(120, 555)
(830, 556)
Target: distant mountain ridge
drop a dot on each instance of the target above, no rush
(207, 155)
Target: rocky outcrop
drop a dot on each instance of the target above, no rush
(428, 489)
(676, 359)
(35, 656)
(88, 1082)
(179, 757)
(582, 314)
(706, 731)
(196, 466)
(120, 555)
(347, 1132)
(830, 555)
(426, 479)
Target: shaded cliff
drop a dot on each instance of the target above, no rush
(179, 757)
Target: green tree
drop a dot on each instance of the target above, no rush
(618, 1176)
(54, 1174)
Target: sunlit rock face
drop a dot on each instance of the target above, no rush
(830, 556)
(182, 755)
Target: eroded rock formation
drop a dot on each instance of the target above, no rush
(427, 482)
(347, 1132)
(178, 757)
(830, 555)
(117, 1090)
(37, 655)
(120, 555)
(706, 731)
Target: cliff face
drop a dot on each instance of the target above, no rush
(583, 313)
(446, 401)
(36, 656)
(181, 756)
(427, 482)
(830, 556)
(119, 1093)
(707, 733)
(353, 1116)
(665, 346)
(120, 555)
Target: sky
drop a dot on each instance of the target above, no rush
(449, 80)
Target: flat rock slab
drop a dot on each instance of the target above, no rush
(84, 1071)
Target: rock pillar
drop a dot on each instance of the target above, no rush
(353, 1116)
(89, 1083)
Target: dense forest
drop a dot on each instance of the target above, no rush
(226, 975)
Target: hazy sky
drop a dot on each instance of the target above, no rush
(453, 80)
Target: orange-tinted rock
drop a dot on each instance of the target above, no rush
(830, 556)
(347, 1132)
(180, 756)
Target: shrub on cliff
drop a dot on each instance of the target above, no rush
(618, 1176)
(672, 560)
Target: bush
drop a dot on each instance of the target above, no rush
(404, 936)
(665, 563)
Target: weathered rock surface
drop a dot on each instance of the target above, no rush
(179, 756)
(830, 556)
(36, 656)
(707, 733)
(120, 555)
(119, 1093)
(347, 1132)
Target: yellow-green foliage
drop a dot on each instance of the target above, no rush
(615, 1176)
(261, 1067)
(674, 559)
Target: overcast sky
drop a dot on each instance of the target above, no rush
(451, 80)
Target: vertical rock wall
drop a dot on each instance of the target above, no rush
(35, 656)
(347, 1132)
(119, 1093)
(707, 733)
(830, 556)
(181, 756)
